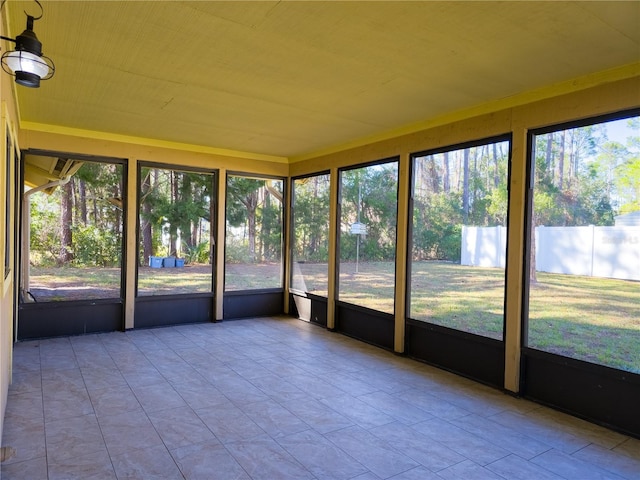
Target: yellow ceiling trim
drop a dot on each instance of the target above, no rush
(581, 83)
(148, 142)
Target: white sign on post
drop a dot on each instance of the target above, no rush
(358, 229)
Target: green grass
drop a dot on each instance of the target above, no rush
(172, 281)
(470, 299)
(588, 318)
(592, 319)
(53, 284)
(252, 277)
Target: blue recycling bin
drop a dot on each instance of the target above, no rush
(169, 262)
(155, 262)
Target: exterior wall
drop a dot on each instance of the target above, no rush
(8, 126)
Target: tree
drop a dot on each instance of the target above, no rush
(628, 183)
(174, 206)
(88, 222)
(585, 189)
(369, 195)
(475, 193)
(241, 209)
(145, 216)
(311, 218)
(66, 223)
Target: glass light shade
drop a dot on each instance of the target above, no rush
(20, 61)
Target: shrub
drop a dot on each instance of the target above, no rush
(93, 247)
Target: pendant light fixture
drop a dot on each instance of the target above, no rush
(26, 62)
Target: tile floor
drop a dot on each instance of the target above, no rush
(278, 399)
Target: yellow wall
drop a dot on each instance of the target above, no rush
(604, 98)
(8, 125)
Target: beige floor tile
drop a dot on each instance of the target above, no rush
(73, 437)
(570, 467)
(264, 459)
(34, 469)
(129, 431)
(208, 461)
(180, 427)
(372, 452)
(152, 463)
(96, 465)
(277, 398)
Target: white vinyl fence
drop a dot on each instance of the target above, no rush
(484, 246)
(612, 252)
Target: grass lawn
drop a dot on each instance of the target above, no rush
(588, 318)
(252, 277)
(171, 281)
(470, 299)
(592, 319)
(54, 284)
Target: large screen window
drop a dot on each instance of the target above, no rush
(460, 204)
(254, 241)
(368, 218)
(584, 262)
(176, 231)
(310, 240)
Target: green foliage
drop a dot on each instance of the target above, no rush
(44, 231)
(254, 213)
(95, 247)
(199, 253)
(628, 183)
(498, 204)
(236, 251)
(242, 195)
(311, 219)
(175, 211)
(584, 178)
(437, 230)
(94, 197)
(456, 188)
(370, 196)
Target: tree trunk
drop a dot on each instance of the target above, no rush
(433, 174)
(266, 227)
(496, 169)
(445, 178)
(465, 187)
(549, 154)
(173, 227)
(251, 204)
(118, 214)
(251, 219)
(314, 233)
(82, 193)
(212, 228)
(473, 194)
(66, 240)
(147, 233)
(561, 161)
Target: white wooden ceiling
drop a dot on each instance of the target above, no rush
(289, 78)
